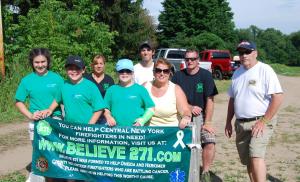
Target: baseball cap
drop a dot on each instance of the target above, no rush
(75, 60)
(246, 45)
(146, 44)
(124, 64)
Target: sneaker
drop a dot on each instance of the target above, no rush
(205, 177)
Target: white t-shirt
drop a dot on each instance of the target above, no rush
(143, 74)
(252, 90)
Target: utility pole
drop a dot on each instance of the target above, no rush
(2, 65)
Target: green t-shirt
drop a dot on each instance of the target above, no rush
(126, 104)
(80, 101)
(40, 90)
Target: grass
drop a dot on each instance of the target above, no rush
(222, 85)
(286, 70)
(13, 177)
(8, 111)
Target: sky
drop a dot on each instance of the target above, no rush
(283, 15)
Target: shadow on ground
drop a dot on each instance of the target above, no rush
(273, 179)
(215, 178)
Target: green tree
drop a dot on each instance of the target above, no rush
(295, 38)
(249, 34)
(200, 42)
(53, 25)
(132, 23)
(190, 18)
(278, 47)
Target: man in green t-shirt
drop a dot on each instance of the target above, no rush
(129, 104)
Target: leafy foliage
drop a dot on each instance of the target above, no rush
(132, 23)
(55, 26)
(207, 41)
(295, 38)
(190, 18)
(273, 46)
(63, 31)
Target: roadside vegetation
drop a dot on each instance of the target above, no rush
(13, 177)
(286, 70)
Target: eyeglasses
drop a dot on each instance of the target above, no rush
(165, 71)
(192, 59)
(247, 52)
(125, 71)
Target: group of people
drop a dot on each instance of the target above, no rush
(147, 94)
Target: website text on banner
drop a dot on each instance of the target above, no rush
(97, 152)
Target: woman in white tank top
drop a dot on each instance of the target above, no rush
(171, 107)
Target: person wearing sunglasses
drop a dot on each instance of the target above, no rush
(143, 71)
(129, 104)
(171, 107)
(255, 96)
(200, 89)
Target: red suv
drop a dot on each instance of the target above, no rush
(221, 62)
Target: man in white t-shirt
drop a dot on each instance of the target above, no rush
(255, 96)
(143, 71)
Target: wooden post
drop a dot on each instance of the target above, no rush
(194, 175)
(2, 65)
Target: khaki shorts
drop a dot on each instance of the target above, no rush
(248, 146)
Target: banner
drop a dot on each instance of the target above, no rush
(102, 153)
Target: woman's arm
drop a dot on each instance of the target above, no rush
(182, 107)
(23, 109)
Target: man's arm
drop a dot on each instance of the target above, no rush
(275, 103)
(274, 106)
(230, 113)
(209, 110)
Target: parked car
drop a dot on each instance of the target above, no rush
(222, 66)
(176, 57)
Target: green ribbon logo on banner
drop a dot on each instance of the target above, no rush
(44, 128)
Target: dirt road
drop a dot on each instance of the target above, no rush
(283, 154)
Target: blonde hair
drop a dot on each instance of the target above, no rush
(99, 56)
(164, 62)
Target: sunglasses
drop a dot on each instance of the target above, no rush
(165, 71)
(247, 52)
(192, 59)
(125, 71)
